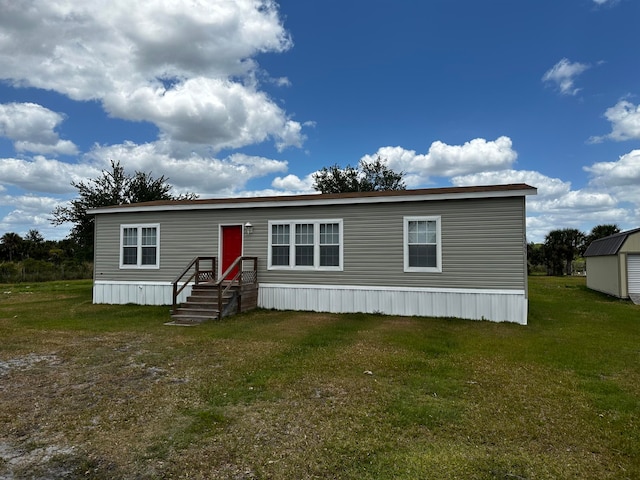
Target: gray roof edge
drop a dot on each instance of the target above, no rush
(444, 193)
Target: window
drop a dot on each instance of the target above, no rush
(329, 245)
(422, 245)
(139, 246)
(305, 245)
(280, 245)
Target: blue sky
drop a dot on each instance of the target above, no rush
(246, 97)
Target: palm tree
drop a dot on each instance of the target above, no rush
(12, 244)
(560, 249)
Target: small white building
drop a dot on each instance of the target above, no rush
(613, 265)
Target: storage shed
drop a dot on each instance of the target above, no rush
(613, 265)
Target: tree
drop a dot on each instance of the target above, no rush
(601, 231)
(34, 244)
(535, 256)
(368, 177)
(560, 249)
(113, 187)
(34, 236)
(12, 245)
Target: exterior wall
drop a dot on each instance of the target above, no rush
(603, 274)
(483, 243)
(608, 274)
(483, 248)
(623, 276)
(631, 244)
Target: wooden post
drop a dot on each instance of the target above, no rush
(175, 296)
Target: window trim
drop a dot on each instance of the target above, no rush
(316, 245)
(438, 267)
(139, 246)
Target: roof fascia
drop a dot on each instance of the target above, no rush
(284, 202)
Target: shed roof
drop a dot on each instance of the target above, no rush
(608, 245)
(481, 191)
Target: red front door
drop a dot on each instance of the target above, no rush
(231, 246)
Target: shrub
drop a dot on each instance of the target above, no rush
(31, 270)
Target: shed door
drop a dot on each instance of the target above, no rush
(633, 273)
(231, 246)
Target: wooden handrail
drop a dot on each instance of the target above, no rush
(196, 276)
(236, 280)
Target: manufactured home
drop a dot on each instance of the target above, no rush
(442, 252)
(613, 265)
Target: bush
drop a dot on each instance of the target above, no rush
(8, 272)
(31, 270)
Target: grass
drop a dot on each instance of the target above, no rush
(99, 391)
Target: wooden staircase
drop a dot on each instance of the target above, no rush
(203, 304)
(212, 299)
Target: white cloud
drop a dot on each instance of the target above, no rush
(31, 203)
(293, 184)
(84, 50)
(575, 201)
(185, 172)
(540, 224)
(563, 75)
(625, 121)
(547, 187)
(32, 128)
(623, 172)
(553, 193)
(556, 205)
(621, 177)
(43, 175)
(444, 160)
(186, 66)
(192, 172)
(30, 212)
(217, 112)
(281, 82)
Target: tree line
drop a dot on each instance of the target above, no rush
(563, 248)
(32, 258)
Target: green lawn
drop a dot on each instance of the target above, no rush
(97, 391)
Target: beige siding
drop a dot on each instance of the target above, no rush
(483, 243)
(608, 273)
(603, 274)
(631, 244)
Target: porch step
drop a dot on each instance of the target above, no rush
(208, 297)
(193, 318)
(239, 279)
(202, 305)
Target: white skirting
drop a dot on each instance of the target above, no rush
(494, 305)
(140, 293)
